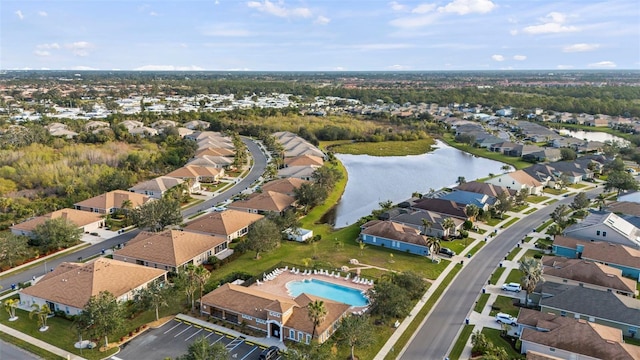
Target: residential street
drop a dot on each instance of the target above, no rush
(439, 332)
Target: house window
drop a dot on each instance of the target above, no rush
(308, 338)
(592, 319)
(563, 313)
(564, 280)
(598, 232)
(604, 233)
(552, 349)
(292, 334)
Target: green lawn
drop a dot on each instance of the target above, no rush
(493, 335)
(479, 231)
(552, 201)
(515, 275)
(457, 245)
(519, 208)
(461, 342)
(496, 275)
(476, 248)
(513, 253)
(504, 304)
(544, 243)
(578, 186)
(632, 341)
(516, 162)
(495, 221)
(555, 191)
(29, 347)
(385, 148)
(510, 222)
(544, 225)
(531, 253)
(481, 303)
(536, 198)
(532, 210)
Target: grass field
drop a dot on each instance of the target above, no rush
(510, 222)
(493, 335)
(504, 304)
(516, 162)
(481, 303)
(532, 210)
(29, 347)
(514, 276)
(385, 148)
(461, 342)
(513, 253)
(496, 275)
(552, 201)
(495, 221)
(544, 225)
(555, 191)
(536, 199)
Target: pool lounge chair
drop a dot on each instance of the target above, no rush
(348, 276)
(258, 282)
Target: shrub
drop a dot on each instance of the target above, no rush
(467, 225)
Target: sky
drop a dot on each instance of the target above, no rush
(319, 35)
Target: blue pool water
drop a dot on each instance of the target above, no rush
(343, 294)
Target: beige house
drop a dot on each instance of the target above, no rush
(171, 250)
(157, 187)
(304, 160)
(85, 221)
(517, 180)
(197, 174)
(69, 286)
(108, 203)
(214, 151)
(286, 186)
(279, 316)
(230, 224)
(265, 202)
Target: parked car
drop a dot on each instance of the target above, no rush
(503, 318)
(512, 287)
(270, 353)
(447, 251)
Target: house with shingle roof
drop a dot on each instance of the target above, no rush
(197, 174)
(230, 224)
(281, 317)
(442, 206)
(587, 273)
(286, 186)
(415, 220)
(69, 286)
(111, 201)
(465, 198)
(396, 236)
(213, 151)
(304, 160)
(196, 125)
(304, 172)
(172, 250)
(219, 162)
(85, 221)
(624, 207)
(605, 226)
(568, 338)
(517, 180)
(264, 203)
(484, 188)
(625, 258)
(157, 187)
(295, 145)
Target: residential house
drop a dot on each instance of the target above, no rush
(197, 174)
(394, 236)
(415, 220)
(95, 124)
(503, 147)
(286, 186)
(465, 198)
(218, 162)
(280, 317)
(625, 258)
(597, 122)
(484, 188)
(61, 130)
(544, 173)
(294, 145)
(304, 160)
(109, 203)
(172, 250)
(575, 170)
(543, 154)
(213, 151)
(588, 274)
(602, 307)
(264, 203)
(69, 286)
(549, 336)
(196, 125)
(624, 208)
(230, 224)
(517, 180)
(605, 226)
(441, 206)
(157, 187)
(487, 140)
(85, 221)
(304, 172)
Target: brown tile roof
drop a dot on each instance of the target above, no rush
(73, 284)
(523, 178)
(114, 199)
(170, 247)
(78, 217)
(161, 184)
(395, 231)
(223, 223)
(484, 188)
(588, 272)
(300, 320)
(577, 336)
(534, 355)
(602, 251)
(265, 201)
(194, 171)
(304, 160)
(284, 186)
(624, 207)
(442, 206)
(214, 152)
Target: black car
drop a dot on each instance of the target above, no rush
(447, 251)
(270, 353)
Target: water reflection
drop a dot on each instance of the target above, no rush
(594, 136)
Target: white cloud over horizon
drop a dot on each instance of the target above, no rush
(603, 65)
(497, 57)
(582, 47)
(552, 23)
(279, 9)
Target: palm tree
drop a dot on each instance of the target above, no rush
(472, 211)
(448, 224)
(42, 312)
(531, 269)
(433, 243)
(201, 275)
(317, 313)
(600, 201)
(426, 225)
(362, 245)
(10, 306)
(155, 296)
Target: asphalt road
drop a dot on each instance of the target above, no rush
(437, 334)
(259, 165)
(12, 352)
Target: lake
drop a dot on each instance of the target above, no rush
(593, 136)
(375, 179)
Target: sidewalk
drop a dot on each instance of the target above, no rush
(39, 343)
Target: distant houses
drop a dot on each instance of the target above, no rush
(110, 202)
(85, 221)
(230, 224)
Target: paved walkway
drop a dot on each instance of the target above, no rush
(39, 343)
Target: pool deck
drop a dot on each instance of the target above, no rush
(277, 286)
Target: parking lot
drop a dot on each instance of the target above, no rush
(173, 339)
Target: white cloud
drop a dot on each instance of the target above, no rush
(463, 7)
(603, 65)
(339, 68)
(398, 67)
(396, 6)
(564, 67)
(497, 57)
(153, 13)
(81, 67)
(19, 14)
(48, 46)
(217, 2)
(519, 57)
(168, 68)
(226, 30)
(380, 46)
(43, 13)
(414, 21)
(513, 32)
(279, 9)
(580, 47)
(42, 53)
(423, 8)
(553, 23)
(79, 48)
(322, 20)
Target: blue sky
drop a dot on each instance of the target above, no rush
(319, 35)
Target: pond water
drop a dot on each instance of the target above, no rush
(375, 179)
(593, 136)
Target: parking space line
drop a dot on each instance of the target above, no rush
(216, 340)
(252, 350)
(210, 333)
(194, 334)
(178, 334)
(173, 328)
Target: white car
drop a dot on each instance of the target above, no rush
(503, 318)
(512, 287)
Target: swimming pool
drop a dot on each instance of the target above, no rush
(339, 293)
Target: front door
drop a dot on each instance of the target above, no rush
(275, 330)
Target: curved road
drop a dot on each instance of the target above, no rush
(439, 331)
(259, 165)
